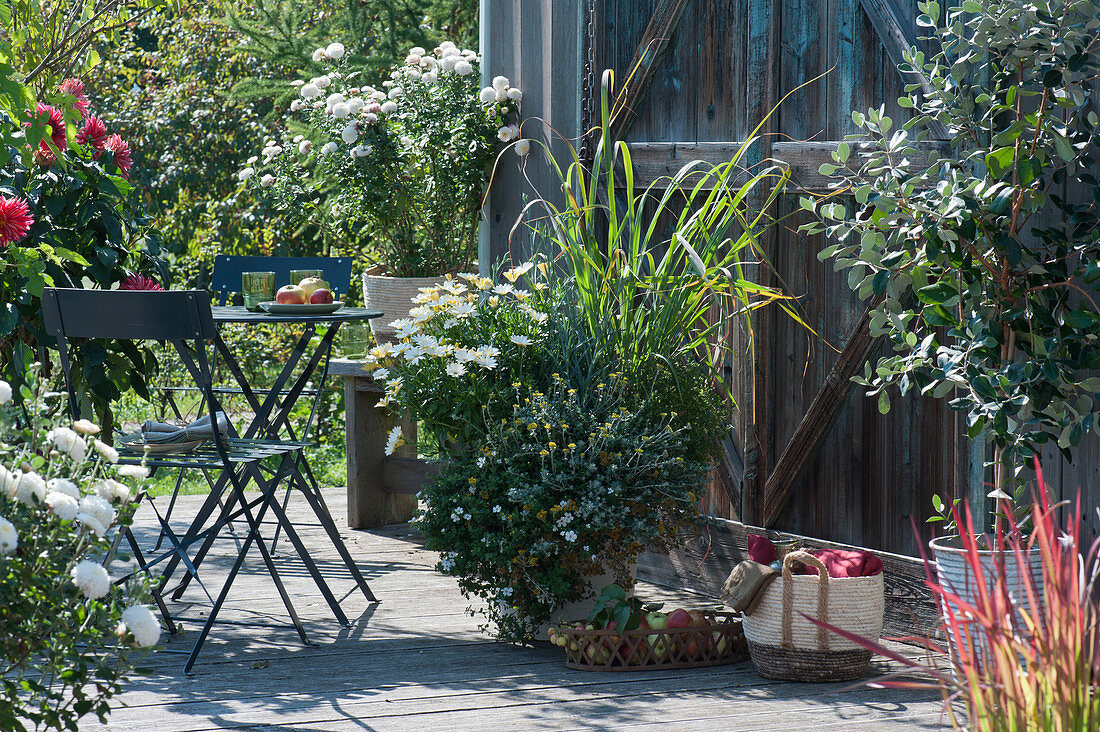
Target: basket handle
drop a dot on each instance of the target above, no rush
(788, 598)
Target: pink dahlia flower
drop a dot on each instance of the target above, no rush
(56, 123)
(76, 88)
(139, 282)
(121, 149)
(93, 133)
(15, 220)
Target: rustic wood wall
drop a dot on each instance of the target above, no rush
(727, 64)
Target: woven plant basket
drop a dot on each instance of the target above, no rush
(787, 646)
(393, 296)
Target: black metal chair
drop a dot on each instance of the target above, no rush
(184, 319)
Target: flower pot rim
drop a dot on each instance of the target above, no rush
(940, 544)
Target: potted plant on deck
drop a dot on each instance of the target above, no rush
(982, 252)
(401, 168)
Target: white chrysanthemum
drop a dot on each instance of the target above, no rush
(349, 134)
(65, 486)
(92, 579)
(268, 180)
(463, 68)
(109, 453)
(355, 104)
(361, 151)
(341, 110)
(515, 95)
(64, 506)
(86, 427)
(62, 438)
(9, 537)
(141, 622)
(488, 95)
(430, 77)
(323, 81)
(389, 107)
(319, 55)
(417, 51)
(394, 440)
(508, 133)
(305, 146)
(8, 481)
(396, 93)
(328, 148)
(296, 105)
(90, 522)
(520, 340)
(5, 392)
(98, 508)
(246, 173)
(30, 488)
(456, 369)
(310, 91)
(447, 63)
(501, 83)
(133, 471)
(522, 148)
(413, 59)
(333, 99)
(335, 51)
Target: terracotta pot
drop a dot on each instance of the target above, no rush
(393, 296)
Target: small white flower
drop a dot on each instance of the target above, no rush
(396, 93)
(463, 68)
(447, 63)
(488, 95)
(5, 392)
(305, 146)
(361, 151)
(90, 522)
(296, 105)
(319, 55)
(341, 110)
(417, 51)
(64, 506)
(381, 374)
(99, 509)
(92, 579)
(141, 622)
(503, 289)
(133, 471)
(430, 77)
(297, 82)
(349, 134)
(355, 104)
(245, 174)
(520, 340)
(335, 51)
(328, 148)
(109, 453)
(389, 107)
(268, 180)
(30, 488)
(9, 537)
(64, 486)
(456, 369)
(8, 481)
(570, 535)
(86, 427)
(310, 91)
(508, 133)
(515, 95)
(68, 442)
(323, 81)
(394, 440)
(497, 509)
(522, 148)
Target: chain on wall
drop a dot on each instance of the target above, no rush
(588, 83)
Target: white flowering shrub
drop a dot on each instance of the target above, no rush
(407, 164)
(68, 635)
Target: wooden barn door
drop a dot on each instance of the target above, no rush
(816, 459)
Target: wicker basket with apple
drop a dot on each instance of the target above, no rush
(625, 634)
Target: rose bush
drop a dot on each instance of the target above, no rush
(68, 636)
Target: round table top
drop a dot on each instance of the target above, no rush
(238, 314)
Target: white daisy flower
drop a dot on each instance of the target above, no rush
(503, 289)
(456, 369)
(92, 579)
(394, 441)
(520, 340)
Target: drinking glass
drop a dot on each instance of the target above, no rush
(354, 340)
(257, 287)
(297, 275)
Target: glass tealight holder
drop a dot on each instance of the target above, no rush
(354, 340)
(257, 287)
(297, 275)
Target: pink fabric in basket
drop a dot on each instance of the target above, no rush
(843, 563)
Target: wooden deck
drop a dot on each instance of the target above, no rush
(417, 661)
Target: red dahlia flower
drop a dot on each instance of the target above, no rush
(76, 88)
(121, 149)
(56, 123)
(139, 282)
(15, 220)
(93, 133)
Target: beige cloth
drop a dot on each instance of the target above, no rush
(745, 586)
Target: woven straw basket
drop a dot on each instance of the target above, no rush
(393, 296)
(785, 645)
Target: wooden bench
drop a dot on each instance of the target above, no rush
(381, 489)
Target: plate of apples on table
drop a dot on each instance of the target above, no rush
(311, 296)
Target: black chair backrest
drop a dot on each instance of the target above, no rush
(228, 269)
(176, 315)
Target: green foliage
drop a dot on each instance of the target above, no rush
(984, 265)
(566, 486)
(63, 654)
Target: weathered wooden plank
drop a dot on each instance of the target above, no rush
(707, 555)
(819, 419)
(407, 475)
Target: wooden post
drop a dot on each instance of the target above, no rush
(367, 428)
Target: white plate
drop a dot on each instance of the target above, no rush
(133, 442)
(278, 308)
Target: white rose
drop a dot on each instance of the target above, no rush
(335, 51)
(268, 180)
(246, 174)
(341, 110)
(64, 506)
(349, 134)
(463, 68)
(522, 148)
(92, 579)
(30, 488)
(305, 146)
(488, 95)
(515, 95)
(309, 91)
(141, 622)
(5, 392)
(9, 537)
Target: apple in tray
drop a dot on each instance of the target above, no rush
(291, 295)
(321, 297)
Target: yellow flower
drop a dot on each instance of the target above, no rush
(473, 481)
(541, 514)
(533, 426)
(544, 453)
(516, 384)
(552, 445)
(572, 446)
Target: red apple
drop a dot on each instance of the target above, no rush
(321, 297)
(290, 295)
(311, 285)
